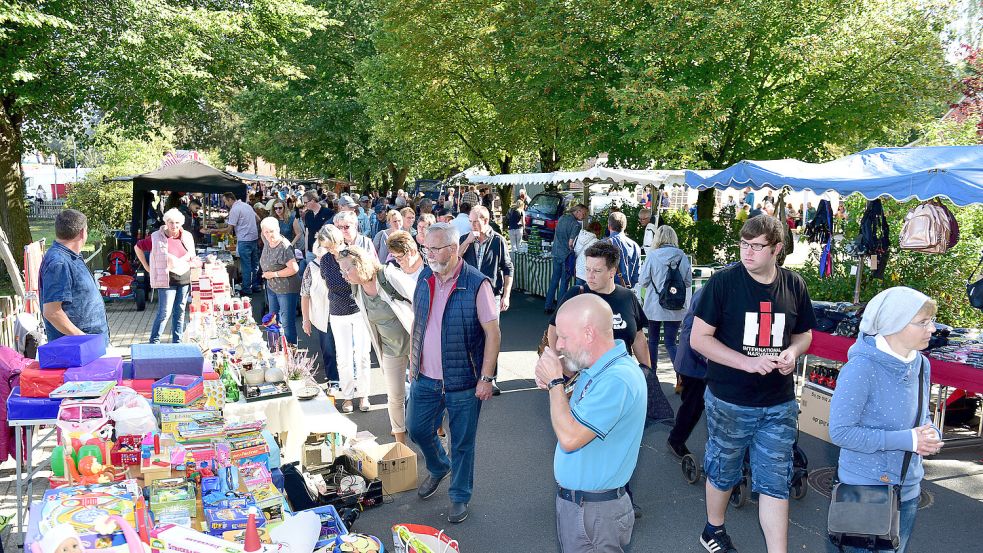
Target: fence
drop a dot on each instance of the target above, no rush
(10, 307)
(46, 209)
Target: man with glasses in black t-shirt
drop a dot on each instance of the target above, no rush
(752, 323)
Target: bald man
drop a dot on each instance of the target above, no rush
(598, 427)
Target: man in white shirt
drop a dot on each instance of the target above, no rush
(245, 222)
(463, 220)
(645, 221)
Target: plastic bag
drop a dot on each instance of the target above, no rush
(133, 414)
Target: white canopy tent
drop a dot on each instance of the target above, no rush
(647, 177)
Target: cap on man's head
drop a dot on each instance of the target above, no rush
(347, 201)
(380, 208)
(363, 199)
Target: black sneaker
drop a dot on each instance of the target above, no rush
(718, 542)
(458, 513)
(429, 487)
(679, 450)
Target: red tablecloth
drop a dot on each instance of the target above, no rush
(946, 373)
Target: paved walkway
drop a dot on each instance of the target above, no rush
(513, 502)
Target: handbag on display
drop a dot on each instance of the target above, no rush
(870, 516)
(928, 228)
(975, 289)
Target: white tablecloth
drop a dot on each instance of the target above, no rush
(297, 418)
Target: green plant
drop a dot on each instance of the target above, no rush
(631, 213)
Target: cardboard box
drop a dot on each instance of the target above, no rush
(394, 464)
(814, 411)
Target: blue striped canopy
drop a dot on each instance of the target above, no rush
(953, 172)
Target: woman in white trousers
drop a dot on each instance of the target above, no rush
(351, 336)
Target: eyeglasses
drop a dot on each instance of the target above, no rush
(343, 227)
(399, 257)
(754, 246)
(278, 208)
(435, 251)
(928, 323)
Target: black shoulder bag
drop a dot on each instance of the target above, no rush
(975, 289)
(870, 516)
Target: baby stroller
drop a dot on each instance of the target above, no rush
(693, 470)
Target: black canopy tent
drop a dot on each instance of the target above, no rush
(189, 176)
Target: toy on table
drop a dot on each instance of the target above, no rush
(85, 418)
(64, 539)
(84, 512)
(357, 543)
(84, 467)
(252, 536)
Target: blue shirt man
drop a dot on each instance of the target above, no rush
(598, 428)
(70, 300)
(630, 262)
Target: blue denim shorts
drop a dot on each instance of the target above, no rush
(768, 432)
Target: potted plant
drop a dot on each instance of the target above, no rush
(300, 369)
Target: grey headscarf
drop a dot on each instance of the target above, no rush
(888, 312)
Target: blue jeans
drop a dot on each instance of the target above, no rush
(329, 358)
(285, 307)
(671, 331)
(559, 282)
(170, 301)
(248, 251)
(424, 413)
(909, 511)
(767, 432)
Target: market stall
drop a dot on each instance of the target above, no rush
(181, 443)
(190, 176)
(952, 172)
(532, 270)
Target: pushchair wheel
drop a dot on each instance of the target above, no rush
(691, 469)
(741, 492)
(799, 486)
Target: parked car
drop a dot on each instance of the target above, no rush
(429, 188)
(544, 211)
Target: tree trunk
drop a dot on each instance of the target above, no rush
(549, 158)
(505, 164)
(13, 211)
(704, 212)
(397, 174)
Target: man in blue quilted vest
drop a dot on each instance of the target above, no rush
(454, 351)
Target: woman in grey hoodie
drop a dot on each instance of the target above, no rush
(663, 253)
(872, 415)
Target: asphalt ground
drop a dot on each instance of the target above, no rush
(512, 508)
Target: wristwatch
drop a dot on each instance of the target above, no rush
(486, 378)
(555, 382)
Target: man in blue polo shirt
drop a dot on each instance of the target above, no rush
(70, 300)
(598, 427)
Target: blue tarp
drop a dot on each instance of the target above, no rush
(953, 172)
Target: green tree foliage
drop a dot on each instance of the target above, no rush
(312, 120)
(139, 63)
(108, 204)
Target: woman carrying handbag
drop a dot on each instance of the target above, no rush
(879, 418)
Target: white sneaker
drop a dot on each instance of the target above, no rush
(364, 405)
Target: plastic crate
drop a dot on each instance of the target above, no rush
(177, 389)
